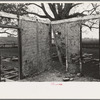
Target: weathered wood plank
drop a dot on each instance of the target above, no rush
(8, 69)
(8, 15)
(9, 26)
(99, 47)
(0, 66)
(81, 49)
(11, 77)
(11, 72)
(20, 53)
(76, 19)
(37, 42)
(73, 46)
(13, 16)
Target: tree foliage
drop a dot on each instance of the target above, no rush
(13, 8)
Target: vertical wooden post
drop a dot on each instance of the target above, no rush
(19, 49)
(0, 66)
(81, 48)
(66, 39)
(50, 39)
(37, 42)
(20, 53)
(99, 47)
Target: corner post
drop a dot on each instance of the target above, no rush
(81, 49)
(99, 47)
(20, 53)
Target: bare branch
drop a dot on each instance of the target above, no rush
(76, 4)
(7, 33)
(60, 7)
(43, 8)
(90, 27)
(60, 10)
(41, 16)
(91, 10)
(36, 5)
(4, 32)
(94, 8)
(53, 9)
(76, 15)
(66, 10)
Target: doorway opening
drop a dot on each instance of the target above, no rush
(10, 50)
(9, 54)
(58, 50)
(90, 48)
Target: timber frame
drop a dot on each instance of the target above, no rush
(19, 49)
(12, 16)
(5, 15)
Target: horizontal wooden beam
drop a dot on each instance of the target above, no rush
(34, 20)
(8, 15)
(13, 16)
(9, 26)
(77, 19)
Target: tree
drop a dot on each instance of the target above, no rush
(62, 10)
(14, 9)
(58, 10)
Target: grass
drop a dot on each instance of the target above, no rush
(91, 68)
(94, 51)
(9, 53)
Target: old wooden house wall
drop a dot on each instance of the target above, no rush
(35, 47)
(73, 46)
(70, 34)
(44, 60)
(60, 28)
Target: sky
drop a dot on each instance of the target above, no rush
(91, 33)
(87, 33)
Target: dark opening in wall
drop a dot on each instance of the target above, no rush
(90, 48)
(9, 54)
(58, 50)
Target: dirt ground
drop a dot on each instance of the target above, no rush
(56, 74)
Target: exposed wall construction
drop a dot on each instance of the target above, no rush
(70, 36)
(35, 47)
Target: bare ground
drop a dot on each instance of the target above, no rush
(56, 74)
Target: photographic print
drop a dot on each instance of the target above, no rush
(49, 50)
(49, 42)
